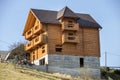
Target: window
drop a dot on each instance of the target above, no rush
(43, 49)
(42, 61)
(58, 48)
(70, 33)
(81, 62)
(71, 38)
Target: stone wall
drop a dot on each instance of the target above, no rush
(70, 65)
(38, 67)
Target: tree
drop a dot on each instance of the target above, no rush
(18, 53)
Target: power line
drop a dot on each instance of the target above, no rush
(109, 53)
(114, 54)
(5, 42)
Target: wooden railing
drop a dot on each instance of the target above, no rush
(29, 34)
(70, 39)
(39, 40)
(70, 26)
(29, 46)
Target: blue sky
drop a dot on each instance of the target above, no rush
(13, 16)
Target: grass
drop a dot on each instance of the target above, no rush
(10, 72)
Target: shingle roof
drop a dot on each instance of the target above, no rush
(87, 21)
(47, 16)
(66, 12)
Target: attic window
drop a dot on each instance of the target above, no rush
(58, 48)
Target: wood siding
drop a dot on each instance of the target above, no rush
(86, 41)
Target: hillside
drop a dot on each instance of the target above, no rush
(10, 72)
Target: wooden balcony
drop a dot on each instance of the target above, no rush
(70, 38)
(28, 34)
(70, 26)
(29, 46)
(37, 29)
(39, 40)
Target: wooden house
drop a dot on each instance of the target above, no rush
(65, 41)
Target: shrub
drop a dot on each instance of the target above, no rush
(117, 72)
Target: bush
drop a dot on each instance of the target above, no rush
(117, 72)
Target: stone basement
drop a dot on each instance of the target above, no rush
(65, 41)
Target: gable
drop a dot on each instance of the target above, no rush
(51, 17)
(29, 22)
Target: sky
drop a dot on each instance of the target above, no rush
(14, 13)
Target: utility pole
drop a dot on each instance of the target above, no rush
(106, 60)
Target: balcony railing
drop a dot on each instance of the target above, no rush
(70, 26)
(37, 29)
(70, 39)
(29, 46)
(39, 40)
(29, 34)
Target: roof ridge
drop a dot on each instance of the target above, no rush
(66, 12)
(44, 10)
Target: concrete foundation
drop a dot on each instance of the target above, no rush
(70, 65)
